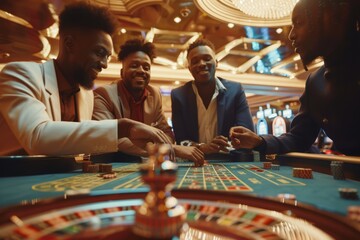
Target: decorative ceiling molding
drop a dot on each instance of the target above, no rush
(246, 54)
(127, 7)
(12, 18)
(225, 11)
(40, 44)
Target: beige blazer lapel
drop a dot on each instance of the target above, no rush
(124, 106)
(51, 86)
(84, 104)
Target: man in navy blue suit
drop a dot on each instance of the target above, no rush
(204, 110)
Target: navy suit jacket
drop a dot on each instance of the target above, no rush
(331, 105)
(232, 110)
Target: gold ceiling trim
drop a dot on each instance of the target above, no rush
(127, 7)
(181, 58)
(10, 17)
(225, 11)
(45, 51)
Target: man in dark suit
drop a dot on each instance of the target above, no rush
(204, 110)
(331, 100)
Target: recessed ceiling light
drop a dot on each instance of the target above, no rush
(123, 30)
(231, 25)
(276, 88)
(279, 30)
(5, 55)
(177, 82)
(297, 57)
(177, 19)
(296, 66)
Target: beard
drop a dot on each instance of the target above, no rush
(84, 79)
(306, 60)
(312, 51)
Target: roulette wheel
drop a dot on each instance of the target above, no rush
(214, 214)
(209, 214)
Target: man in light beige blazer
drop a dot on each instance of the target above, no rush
(47, 108)
(132, 97)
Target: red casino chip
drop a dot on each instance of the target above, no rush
(302, 173)
(353, 212)
(267, 165)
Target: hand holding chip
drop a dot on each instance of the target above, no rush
(242, 137)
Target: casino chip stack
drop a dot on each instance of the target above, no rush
(267, 165)
(105, 168)
(275, 167)
(93, 168)
(348, 193)
(353, 212)
(337, 170)
(302, 173)
(85, 166)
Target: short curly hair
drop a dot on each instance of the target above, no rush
(81, 15)
(200, 42)
(136, 45)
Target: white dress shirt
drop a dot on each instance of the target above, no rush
(207, 118)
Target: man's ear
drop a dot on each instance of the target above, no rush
(69, 43)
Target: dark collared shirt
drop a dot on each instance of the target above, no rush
(136, 107)
(67, 93)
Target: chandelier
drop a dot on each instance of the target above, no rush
(266, 9)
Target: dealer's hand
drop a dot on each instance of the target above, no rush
(242, 137)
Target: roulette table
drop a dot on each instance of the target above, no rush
(223, 199)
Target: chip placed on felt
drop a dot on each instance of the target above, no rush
(337, 170)
(302, 173)
(353, 212)
(105, 167)
(267, 165)
(348, 193)
(85, 165)
(275, 166)
(93, 168)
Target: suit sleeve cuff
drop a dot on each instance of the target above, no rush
(262, 147)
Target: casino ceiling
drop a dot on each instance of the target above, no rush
(255, 52)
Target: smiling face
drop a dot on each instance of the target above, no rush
(136, 71)
(90, 54)
(202, 63)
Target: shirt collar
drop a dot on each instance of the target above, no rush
(64, 86)
(219, 87)
(219, 84)
(129, 96)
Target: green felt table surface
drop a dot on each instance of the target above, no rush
(245, 177)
